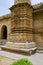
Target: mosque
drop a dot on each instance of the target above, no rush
(23, 24)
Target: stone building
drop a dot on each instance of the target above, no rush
(24, 24)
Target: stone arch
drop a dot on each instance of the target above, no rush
(4, 32)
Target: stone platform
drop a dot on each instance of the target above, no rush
(21, 48)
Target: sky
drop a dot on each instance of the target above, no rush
(5, 4)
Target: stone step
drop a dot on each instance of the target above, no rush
(20, 50)
(40, 48)
(25, 48)
(3, 42)
(20, 45)
(39, 51)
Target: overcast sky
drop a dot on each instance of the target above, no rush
(5, 4)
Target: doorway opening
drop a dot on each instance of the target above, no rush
(4, 32)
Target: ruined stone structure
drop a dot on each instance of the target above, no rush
(24, 24)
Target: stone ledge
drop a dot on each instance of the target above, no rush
(20, 51)
(39, 51)
(5, 16)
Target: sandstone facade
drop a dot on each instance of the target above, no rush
(24, 24)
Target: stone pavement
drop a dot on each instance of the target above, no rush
(36, 59)
(5, 60)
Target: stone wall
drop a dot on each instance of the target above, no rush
(38, 27)
(5, 21)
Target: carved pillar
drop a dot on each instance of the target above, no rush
(21, 24)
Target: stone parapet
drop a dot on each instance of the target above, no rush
(5, 17)
(22, 1)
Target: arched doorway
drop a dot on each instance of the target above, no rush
(4, 32)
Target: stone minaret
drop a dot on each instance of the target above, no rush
(21, 21)
(22, 1)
